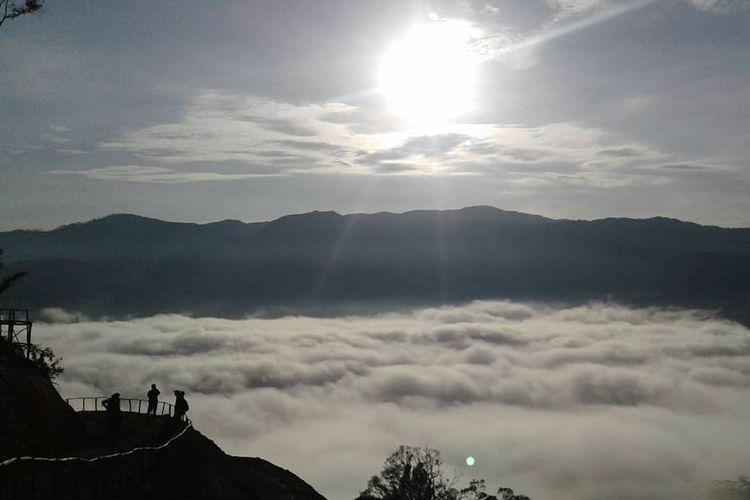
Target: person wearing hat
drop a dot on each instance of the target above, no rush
(181, 406)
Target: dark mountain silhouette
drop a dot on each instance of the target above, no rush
(125, 265)
(35, 421)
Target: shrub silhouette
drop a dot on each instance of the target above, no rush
(11, 9)
(44, 360)
(738, 489)
(412, 473)
(7, 281)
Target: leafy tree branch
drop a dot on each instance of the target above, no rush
(11, 9)
(416, 474)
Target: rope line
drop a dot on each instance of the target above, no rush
(189, 425)
(101, 457)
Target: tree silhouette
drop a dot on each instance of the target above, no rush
(7, 281)
(10, 9)
(738, 489)
(416, 474)
(43, 358)
(410, 474)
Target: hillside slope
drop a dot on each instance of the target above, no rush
(35, 421)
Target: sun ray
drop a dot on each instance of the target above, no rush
(567, 29)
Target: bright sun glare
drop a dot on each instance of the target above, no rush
(429, 76)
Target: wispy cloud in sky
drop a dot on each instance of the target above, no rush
(220, 128)
(602, 97)
(155, 175)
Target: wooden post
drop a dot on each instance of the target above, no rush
(28, 340)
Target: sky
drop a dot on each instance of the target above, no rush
(571, 403)
(251, 110)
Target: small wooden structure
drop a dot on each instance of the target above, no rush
(15, 327)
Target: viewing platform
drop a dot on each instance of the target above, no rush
(136, 428)
(106, 466)
(15, 327)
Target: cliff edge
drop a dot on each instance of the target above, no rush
(161, 459)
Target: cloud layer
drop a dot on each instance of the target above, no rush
(568, 403)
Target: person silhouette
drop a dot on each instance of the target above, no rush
(153, 400)
(114, 415)
(181, 406)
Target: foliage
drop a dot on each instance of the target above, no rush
(477, 491)
(739, 489)
(416, 474)
(410, 474)
(10, 9)
(7, 281)
(507, 494)
(44, 359)
(41, 358)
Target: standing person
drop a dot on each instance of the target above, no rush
(114, 415)
(153, 400)
(181, 406)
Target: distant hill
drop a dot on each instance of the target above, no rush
(126, 265)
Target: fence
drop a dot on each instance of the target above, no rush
(130, 405)
(113, 476)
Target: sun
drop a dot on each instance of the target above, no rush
(429, 76)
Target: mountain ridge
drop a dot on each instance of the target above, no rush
(125, 265)
(123, 216)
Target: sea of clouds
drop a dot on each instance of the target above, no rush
(565, 403)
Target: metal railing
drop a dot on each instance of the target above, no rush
(15, 327)
(130, 405)
(11, 315)
(115, 475)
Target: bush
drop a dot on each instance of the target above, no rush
(738, 489)
(41, 358)
(410, 474)
(416, 474)
(44, 359)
